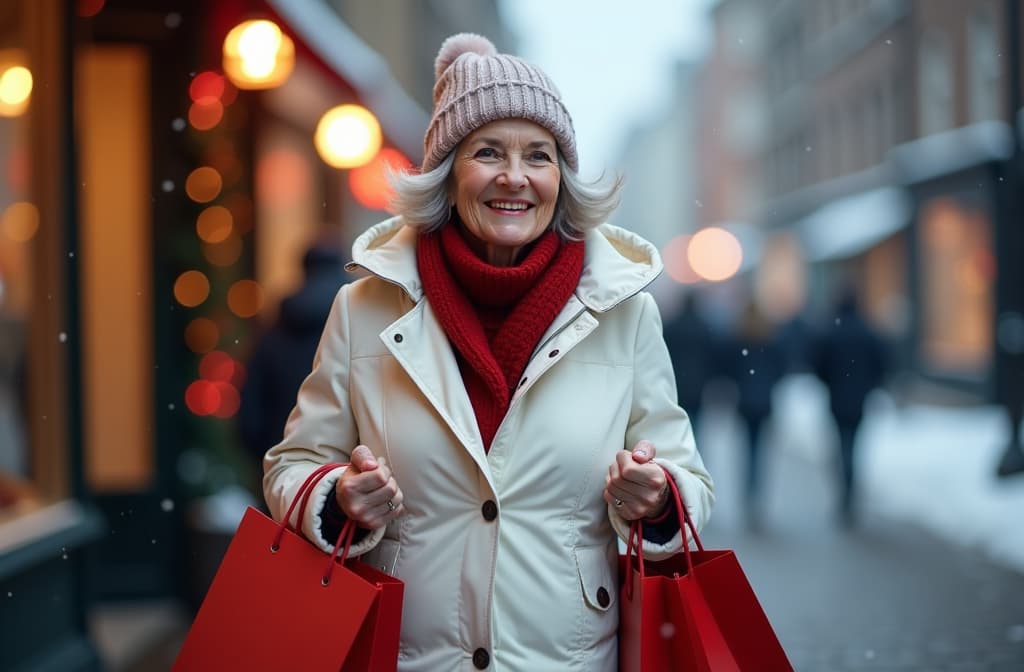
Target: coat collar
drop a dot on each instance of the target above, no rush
(616, 263)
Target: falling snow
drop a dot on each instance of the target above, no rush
(745, 352)
(172, 20)
(167, 505)
(62, 337)
(167, 185)
(178, 124)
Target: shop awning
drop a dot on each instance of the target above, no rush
(853, 224)
(402, 120)
(951, 151)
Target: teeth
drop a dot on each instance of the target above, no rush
(502, 205)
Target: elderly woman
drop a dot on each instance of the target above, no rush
(499, 387)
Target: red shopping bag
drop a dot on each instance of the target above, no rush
(376, 647)
(693, 611)
(277, 603)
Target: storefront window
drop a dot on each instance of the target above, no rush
(958, 276)
(33, 336)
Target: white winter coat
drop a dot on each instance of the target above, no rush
(537, 587)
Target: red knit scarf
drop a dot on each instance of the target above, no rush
(494, 316)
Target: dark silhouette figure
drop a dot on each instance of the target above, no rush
(755, 360)
(850, 360)
(284, 353)
(1009, 387)
(690, 345)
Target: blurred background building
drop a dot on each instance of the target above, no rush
(166, 164)
(857, 143)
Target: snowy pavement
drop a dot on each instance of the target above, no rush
(929, 465)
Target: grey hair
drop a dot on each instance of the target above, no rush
(422, 199)
(583, 205)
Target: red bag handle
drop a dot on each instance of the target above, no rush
(348, 530)
(635, 539)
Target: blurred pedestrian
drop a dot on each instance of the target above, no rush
(755, 359)
(280, 360)
(849, 358)
(496, 395)
(691, 347)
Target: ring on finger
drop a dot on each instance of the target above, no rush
(618, 502)
(391, 506)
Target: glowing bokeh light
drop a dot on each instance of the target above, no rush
(20, 221)
(245, 298)
(257, 55)
(228, 401)
(217, 365)
(191, 288)
(204, 116)
(202, 397)
(203, 184)
(206, 87)
(15, 90)
(347, 136)
(370, 184)
(201, 335)
(214, 224)
(676, 264)
(714, 254)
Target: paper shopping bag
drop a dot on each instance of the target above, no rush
(693, 611)
(376, 647)
(278, 602)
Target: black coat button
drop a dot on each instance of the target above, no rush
(398, 338)
(481, 659)
(489, 510)
(553, 353)
(603, 598)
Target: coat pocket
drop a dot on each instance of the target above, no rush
(597, 579)
(383, 556)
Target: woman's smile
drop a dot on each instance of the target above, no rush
(505, 185)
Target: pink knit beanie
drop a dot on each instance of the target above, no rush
(476, 85)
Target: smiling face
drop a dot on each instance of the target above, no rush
(505, 186)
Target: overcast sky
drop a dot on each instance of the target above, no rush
(612, 60)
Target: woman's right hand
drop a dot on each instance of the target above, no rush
(367, 492)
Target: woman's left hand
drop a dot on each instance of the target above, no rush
(636, 486)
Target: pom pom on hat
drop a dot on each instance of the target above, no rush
(459, 44)
(476, 85)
